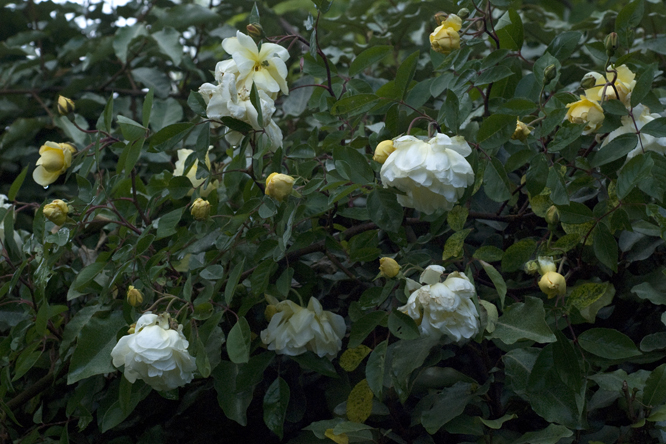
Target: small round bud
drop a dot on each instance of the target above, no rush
(588, 81)
(463, 13)
(134, 296)
(553, 215)
(388, 267)
(531, 267)
(56, 212)
(65, 105)
(383, 151)
(610, 43)
(279, 186)
(549, 73)
(521, 132)
(200, 209)
(553, 284)
(255, 30)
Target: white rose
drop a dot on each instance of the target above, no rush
(155, 353)
(648, 142)
(293, 330)
(433, 175)
(445, 308)
(265, 67)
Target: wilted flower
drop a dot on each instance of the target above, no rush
(134, 296)
(433, 174)
(293, 330)
(200, 209)
(54, 160)
(383, 150)
(445, 37)
(183, 154)
(444, 308)
(586, 111)
(265, 67)
(647, 142)
(521, 132)
(279, 186)
(56, 212)
(388, 267)
(155, 353)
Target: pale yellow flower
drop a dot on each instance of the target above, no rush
(279, 186)
(54, 160)
(586, 111)
(445, 37)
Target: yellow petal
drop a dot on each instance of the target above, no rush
(52, 160)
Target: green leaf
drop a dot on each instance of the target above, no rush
(368, 57)
(165, 113)
(133, 153)
(585, 295)
(566, 361)
(524, 321)
(183, 16)
(384, 210)
(518, 364)
(85, 276)
(276, 401)
(406, 73)
(124, 37)
(537, 174)
(632, 173)
(108, 114)
(26, 360)
(608, 343)
(234, 402)
(131, 130)
(375, 369)
(402, 326)
(16, 185)
(509, 29)
(457, 217)
(453, 248)
(493, 74)
(605, 247)
(197, 103)
(310, 361)
(323, 5)
(92, 355)
(496, 130)
(260, 277)
(168, 41)
(256, 102)
(232, 282)
(567, 134)
(615, 149)
(166, 225)
(497, 279)
(355, 104)
(654, 392)
(448, 404)
(517, 254)
(550, 435)
(147, 108)
(496, 183)
(488, 253)
(629, 17)
(238, 342)
(564, 44)
(236, 125)
(656, 128)
(451, 111)
(643, 82)
(496, 424)
(364, 326)
(407, 356)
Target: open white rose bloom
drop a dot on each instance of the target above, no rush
(433, 174)
(249, 65)
(293, 330)
(444, 309)
(642, 116)
(155, 353)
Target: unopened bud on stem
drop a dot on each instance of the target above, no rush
(549, 74)
(463, 13)
(65, 105)
(610, 43)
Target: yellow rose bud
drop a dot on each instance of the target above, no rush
(553, 215)
(279, 186)
(445, 37)
(610, 43)
(383, 150)
(200, 209)
(65, 105)
(553, 284)
(586, 111)
(56, 212)
(388, 267)
(134, 296)
(255, 30)
(521, 132)
(463, 13)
